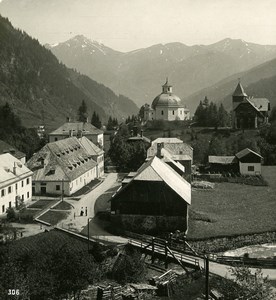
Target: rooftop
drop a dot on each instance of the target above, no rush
(76, 127)
(245, 152)
(90, 147)
(7, 172)
(225, 160)
(6, 148)
(157, 170)
(66, 159)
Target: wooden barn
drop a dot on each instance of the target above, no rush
(155, 199)
(250, 162)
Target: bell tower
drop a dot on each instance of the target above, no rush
(238, 96)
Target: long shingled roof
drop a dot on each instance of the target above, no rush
(157, 170)
(65, 160)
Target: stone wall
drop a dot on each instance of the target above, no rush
(149, 224)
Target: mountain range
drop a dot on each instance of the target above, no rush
(139, 74)
(43, 90)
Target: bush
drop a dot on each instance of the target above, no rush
(11, 215)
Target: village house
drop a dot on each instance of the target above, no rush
(250, 162)
(246, 162)
(175, 149)
(65, 166)
(77, 129)
(15, 182)
(6, 148)
(155, 198)
(138, 137)
(248, 112)
(166, 106)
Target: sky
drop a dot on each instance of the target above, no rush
(127, 25)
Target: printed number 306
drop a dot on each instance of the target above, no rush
(13, 292)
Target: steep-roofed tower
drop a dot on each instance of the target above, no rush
(238, 96)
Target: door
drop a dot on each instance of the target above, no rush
(43, 190)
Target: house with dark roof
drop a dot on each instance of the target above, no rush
(246, 162)
(6, 148)
(63, 166)
(248, 112)
(77, 129)
(155, 198)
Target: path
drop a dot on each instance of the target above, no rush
(89, 200)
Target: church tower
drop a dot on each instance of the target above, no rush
(238, 96)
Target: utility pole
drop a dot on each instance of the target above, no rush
(206, 278)
(62, 189)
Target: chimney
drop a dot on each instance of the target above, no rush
(68, 119)
(159, 149)
(86, 120)
(14, 168)
(142, 133)
(70, 132)
(135, 131)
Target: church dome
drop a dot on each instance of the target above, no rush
(166, 98)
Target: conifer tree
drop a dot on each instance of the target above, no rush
(82, 112)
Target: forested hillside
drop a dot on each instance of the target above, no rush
(42, 90)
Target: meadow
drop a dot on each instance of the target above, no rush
(234, 209)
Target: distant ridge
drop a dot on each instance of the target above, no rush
(139, 73)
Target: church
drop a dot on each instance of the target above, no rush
(248, 112)
(166, 106)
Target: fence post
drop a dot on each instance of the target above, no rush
(152, 250)
(166, 254)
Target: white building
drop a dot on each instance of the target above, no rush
(250, 162)
(15, 182)
(77, 129)
(166, 106)
(63, 165)
(96, 153)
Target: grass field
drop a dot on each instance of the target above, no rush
(53, 217)
(43, 203)
(232, 209)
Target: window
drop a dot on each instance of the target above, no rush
(250, 169)
(16, 186)
(22, 197)
(3, 193)
(162, 112)
(10, 204)
(173, 112)
(3, 208)
(57, 187)
(9, 189)
(28, 180)
(22, 183)
(56, 139)
(28, 195)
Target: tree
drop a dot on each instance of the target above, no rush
(246, 285)
(96, 120)
(82, 112)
